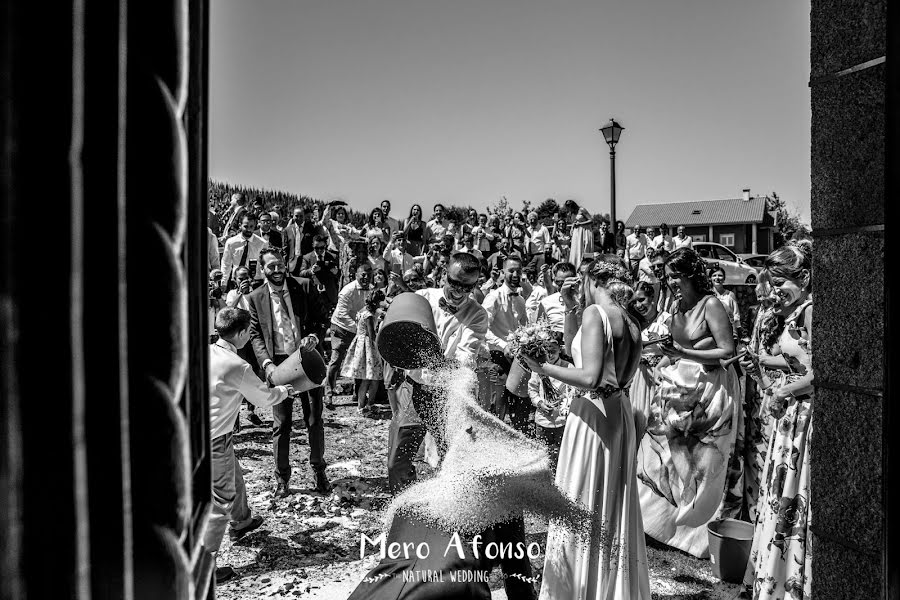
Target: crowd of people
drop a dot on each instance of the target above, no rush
(673, 415)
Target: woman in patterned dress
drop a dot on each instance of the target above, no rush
(654, 326)
(687, 464)
(780, 558)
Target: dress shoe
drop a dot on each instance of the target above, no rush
(329, 403)
(322, 484)
(223, 574)
(236, 534)
(282, 490)
(254, 418)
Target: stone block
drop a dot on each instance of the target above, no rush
(845, 33)
(848, 151)
(841, 574)
(845, 467)
(848, 310)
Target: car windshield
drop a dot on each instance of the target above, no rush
(724, 253)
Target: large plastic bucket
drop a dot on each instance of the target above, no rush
(729, 548)
(303, 370)
(408, 336)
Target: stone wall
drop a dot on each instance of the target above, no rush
(848, 178)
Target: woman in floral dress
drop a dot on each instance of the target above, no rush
(757, 422)
(687, 464)
(780, 558)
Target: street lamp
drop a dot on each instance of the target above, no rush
(611, 132)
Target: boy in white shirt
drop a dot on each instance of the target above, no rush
(549, 420)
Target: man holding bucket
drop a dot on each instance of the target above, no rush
(284, 313)
(460, 327)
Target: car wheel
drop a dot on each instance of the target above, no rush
(751, 279)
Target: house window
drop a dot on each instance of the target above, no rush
(699, 237)
(727, 239)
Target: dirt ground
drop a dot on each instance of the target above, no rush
(309, 545)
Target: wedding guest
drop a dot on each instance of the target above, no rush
(461, 326)
(351, 299)
(645, 268)
(681, 240)
(517, 234)
(212, 247)
(597, 454)
(237, 297)
(651, 238)
(398, 258)
(538, 293)
(268, 232)
(242, 250)
(298, 237)
(562, 241)
(664, 240)
(551, 406)
(283, 313)
(582, 237)
(363, 362)
(437, 226)
(376, 228)
(635, 250)
(506, 312)
(322, 267)
(780, 560)
(678, 502)
(467, 244)
(620, 238)
(654, 326)
(607, 239)
(230, 380)
(415, 232)
(552, 308)
(483, 235)
(539, 243)
(238, 209)
(390, 222)
(727, 298)
(763, 340)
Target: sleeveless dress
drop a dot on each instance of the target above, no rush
(686, 456)
(363, 360)
(780, 558)
(643, 386)
(582, 239)
(597, 468)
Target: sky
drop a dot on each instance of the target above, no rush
(465, 101)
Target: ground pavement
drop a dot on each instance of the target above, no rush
(308, 546)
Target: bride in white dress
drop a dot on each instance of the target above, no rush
(597, 458)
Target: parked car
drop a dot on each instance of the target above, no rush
(736, 272)
(754, 260)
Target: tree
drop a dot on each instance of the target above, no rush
(546, 211)
(501, 209)
(788, 225)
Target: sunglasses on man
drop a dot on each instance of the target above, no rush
(460, 286)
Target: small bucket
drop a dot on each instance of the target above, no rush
(730, 541)
(303, 370)
(517, 380)
(408, 337)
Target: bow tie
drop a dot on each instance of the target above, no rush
(447, 307)
(512, 293)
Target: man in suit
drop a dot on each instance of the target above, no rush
(268, 232)
(322, 268)
(238, 209)
(283, 312)
(298, 239)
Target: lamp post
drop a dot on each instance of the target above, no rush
(611, 132)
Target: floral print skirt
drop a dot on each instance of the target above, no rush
(687, 463)
(779, 566)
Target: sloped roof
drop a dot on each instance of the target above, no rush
(711, 212)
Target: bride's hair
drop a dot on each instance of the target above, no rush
(790, 260)
(687, 262)
(610, 272)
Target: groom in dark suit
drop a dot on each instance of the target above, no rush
(283, 312)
